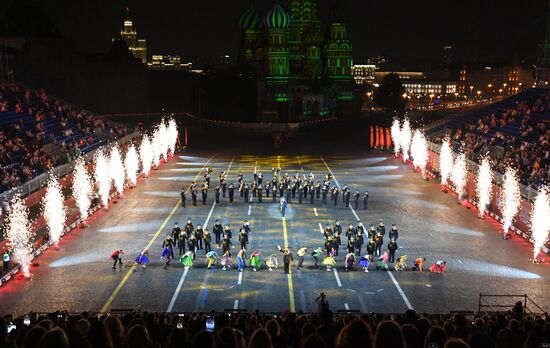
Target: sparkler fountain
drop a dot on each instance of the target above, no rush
(54, 211)
(445, 162)
(396, 136)
(164, 140)
(540, 222)
(146, 154)
(19, 234)
(117, 169)
(484, 186)
(82, 189)
(458, 175)
(405, 139)
(419, 152)
(131, 164)
(156, 147)
(510, 198)
(103, 176)
(172, 135)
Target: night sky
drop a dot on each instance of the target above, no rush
(405, 31)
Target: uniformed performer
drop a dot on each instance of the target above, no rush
(217, 194)
(356, 199)
(218, 230)
(207, 240)
(198, 236)
(394, 233)
(365, 200)
(183, 197)
(231, 193)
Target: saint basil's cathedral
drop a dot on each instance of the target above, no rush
(302, 73)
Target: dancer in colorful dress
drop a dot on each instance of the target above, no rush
(167, 251)
(348, 263)
(226, 260)
(255, 259)
(364, 262)
(211, 258)
(438, 267)
(241, 256)
(142, 258)
(272, 262)
(329, 260)
(187, 259)
(383, 261)
(401, 263)
(315, 254)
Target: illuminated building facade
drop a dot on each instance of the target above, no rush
(168, 62)
(301, 72)
(137, 46)
(363, 74)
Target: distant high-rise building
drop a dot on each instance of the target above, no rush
(137, 46)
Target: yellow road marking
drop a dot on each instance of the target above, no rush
(131, 270)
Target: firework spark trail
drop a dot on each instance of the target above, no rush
(82, 188)
(396, 136)
(156, 147)
(146, 154)
(19, 234)
(540, 221)
(458, 176)
(484, 185)
(131, 163)
(419, 152)
(117, 169)
(53, 209)
(405, 139)
(510, 198)
(445, 161)
(172, 135)
(102, 176)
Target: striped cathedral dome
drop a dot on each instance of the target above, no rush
(277, 18)
(251, 19)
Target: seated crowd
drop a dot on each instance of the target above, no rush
(521, 132)
(29, 120)
(255, 330)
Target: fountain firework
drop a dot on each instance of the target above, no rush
(156, 146)
(172, 135)
(131, 163)
(458, 176)
(82, 188)
(396, 136)
(540, 221)
(102, 176)
(419, 152)
(405, 139)
(53, 209)
(445, 161)
(484, 186)
(164, 140)
(117, 169)
(510, 198)
(19, 234)
(146, 154)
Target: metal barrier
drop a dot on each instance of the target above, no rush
(493, 304)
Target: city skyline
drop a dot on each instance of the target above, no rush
(203, 31)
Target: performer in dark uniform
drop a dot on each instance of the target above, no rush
(231, 193)
(260, 193)
(218, 230)
(392, 248)
(394, 233)
(356, 199)
(198, 236)
(217, 194)
(243, 239)
(183, 197)
(365, 200)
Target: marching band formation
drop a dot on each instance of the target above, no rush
(187, 240)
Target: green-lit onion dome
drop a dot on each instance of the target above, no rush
(277, 18)
(251, 19)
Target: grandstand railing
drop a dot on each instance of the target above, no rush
(504, 303)
(60, 171)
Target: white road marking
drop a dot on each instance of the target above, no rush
(315, 211)
(240, 280)
(346, 306)
(428, 285)
(178, 289)
(460, 261)
(369, 293)
(236, 304)
(249, 209)
(351, 290)
(337, 277)
(380, 290)
(321, 228)
(405, 299)
(400, 290)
